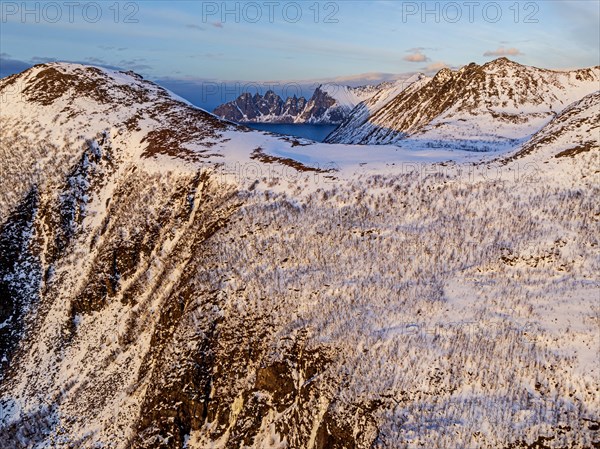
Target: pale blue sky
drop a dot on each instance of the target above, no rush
(193, 40)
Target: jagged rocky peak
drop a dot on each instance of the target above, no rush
(322, 107)
(329, 104)
(502, 62)
(443, 75)
(294, 106)
(249, 108)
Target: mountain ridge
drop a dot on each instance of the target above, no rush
(499, 101)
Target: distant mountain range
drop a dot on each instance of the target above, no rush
(330, 104)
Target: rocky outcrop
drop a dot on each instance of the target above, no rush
(574, 131)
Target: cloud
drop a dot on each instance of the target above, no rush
(363, 78)
(111, 48)
(435, 67)
(502, 51)
(42, 59)
(95, 60)
(193, 26)
(136, 64)
(420, 49)
(416, 57)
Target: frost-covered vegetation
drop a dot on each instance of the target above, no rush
(466, 311)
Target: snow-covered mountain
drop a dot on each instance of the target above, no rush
(329, 104)
(498, 105)
(170, 280)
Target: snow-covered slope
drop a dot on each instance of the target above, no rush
(346, 96)
(168, 280)
(359, 116)
(495, 106)
(575, 130)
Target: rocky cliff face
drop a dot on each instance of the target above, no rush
(149, 302)
(329, 104)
